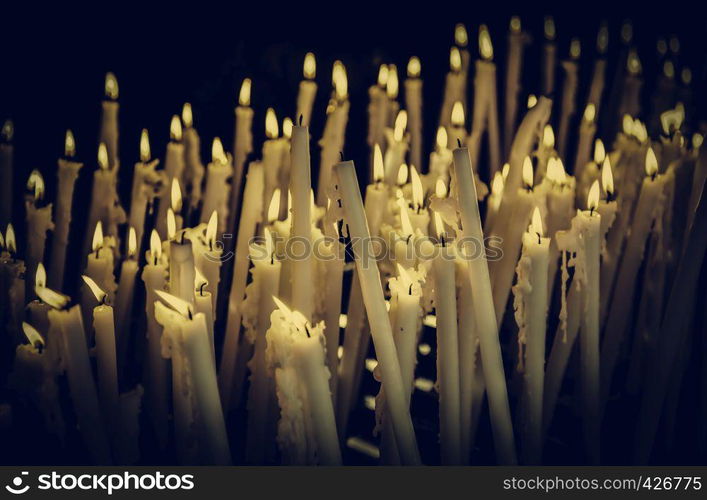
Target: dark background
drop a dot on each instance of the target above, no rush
(53, 61)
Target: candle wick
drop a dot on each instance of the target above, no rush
(459, 142)
(181, 240)
(300, 119)
(306, 330)
(341, 155)
(189, 313)
(442, 240)
(410, 289)
(103, 299)
(201, 289)
(539, 239)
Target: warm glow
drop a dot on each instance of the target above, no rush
(268, 242)
(497, 184)
(417, 191)
(590, 113)
(458, 114)
(401, 122)
(69, 144)
(515, 24)
(440, 188)
(627, 124)
(674, 44)
(383, 75)
(633, 63)
(93, 286)
(551, 169)
(10, 241)
(441, 138)
(532, 101)
(392, 86)
(627, 32)
(485, 45)
(132, 242)
(506, 168)
(402, 174)
(607, 177)
(455, 59)
(549, 28)
(414, 67)
(175, 129)
(181, 306)
(672, 119)
(593, 196)
(155, 245)
(272, 129)
(309, 69)
(144, 146)
(47, 295)
(35, 183)
(33, 336)
(651, 162)
(187, 116)
(528, 172)
(697, 140)
(40, 276)
(378, 167)
(282, 307)
(575, 48)
(176, 195)
(171, 224)
(274, 206)
(639, 130)
(439, 224)
(340, 80)
(548, 137)
(111, 86)
(8, 131)
(405, 224)
(599, 152)
(211, 228)
(218, 155)
(686, 76)
(244, 94)
(536, 223)
(103, 156)
(97, 242)
(669, 69)
(461, 37)
(603, 38)
(287, 127)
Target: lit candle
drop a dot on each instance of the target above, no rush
(456, 130)
(193, 173)
(146, 185)
(181, 268)
(242, 147)
(124, 299)
(208, 256)
(307, 89)
(39, 221)
(6, 171)
(219, 171)
(374, 301)
(454, 87)
(549, 57)
(13, 275)
(569, 95)
(441, 157)
(545, 151)
(596, 88)
(203, 304)
(67, 174)
(630, 101)
(413, 103)
(397, 141)
(587, 130)
(173, 168)
(517, 40)
(494, 201)
(109, 120)
(272, 154)
(484, 309)
(378, 108)
(99, 267)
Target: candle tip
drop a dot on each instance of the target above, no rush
(459, 142)
(300, 119)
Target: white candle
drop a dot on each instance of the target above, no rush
(39, 221)
(307, 89)
(6, 171)
(569, 95)
(397, 145)
(413, 103)
(146, 182)
(596, 88)
(242, 147)
(99, 267)
(454, 88)
(173, 168)
(485, 315)
(193, 173)
(109, 120)
(124, 298)
(219, 171)
(517, 40)
(549, 57)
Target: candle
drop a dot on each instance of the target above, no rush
(146, 186)
(272, 154)
(154, 275)
(378, 108)
(307, 89)
(173, 168)
(630, 103)
(549, 57)
(413, 103)
(124, 299)
(109, 120)
(67, 174)
(456, 131)
(219, 171)
(374, 301)
(242, 147)
(6, 171)
(484, 309)
(208, 255)
(250, 216)
(545, 151)
(397, 147)
(530, 304)
(454, 87)
(517, 40)
(13, 275)
(392, 87)
(441, 157)
(569, 94)
(203, 304)
(523, 143)
(99, 267)
(193, 173)
(596, 88)
(332, 255)
(587, 130)
(39, 221)
(68, 325)
(181, 268)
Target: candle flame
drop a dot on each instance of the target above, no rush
(144, 146)
(309, 68)
(187, 116)
(442, 138)
(639, 130)
(633, 63)
(47, 295)
(8, 131)
(274, 206)
(176, 195)
(155, 245)
(551, 169)
(102, 156)
(455, 59)
(440, 188)
(33, 336)
(549, 28)
(175, 129)
(607, 177)
(485, 45)
(97, 242)
(40, 276)
(69, 144)
(378, 167)
(575, 48)
(686, 76)
(498, 184)
(627, 32)
(651, 162)
(268, 242)
(536, 223)
(599, 152)
(590, 113)
(132, 242)
(287, 127)
(461, 37)
(111, 86)
(282, 307)
(548, 137)
(383, 75)
(603, 38)
(560, 171)
(35, 183)
(414, 67)
(200, 281)
(515, 24)
(218, 155)
(392, 85)
(674, 44)
(627, 124)
(528, 172)
(672, 119)
(439, 225)
(506, 168)
(457, 117)
(417, 191)
(244, 94)
(401, 122)
(10, 241)
(211, 228)
(272, 129)
(2, 241)
(95, 289)
(661, 46)
(669, 69)
(697, 140)
(405, 224)
(402, 174)
(178, 304)
(593, 196)
(340, 80)
(171, 224)
(532, 100)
